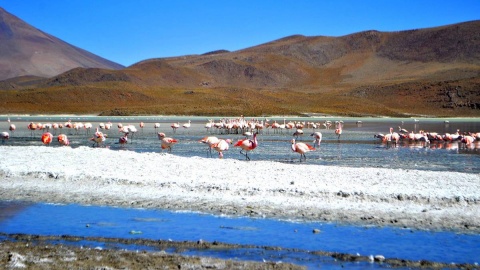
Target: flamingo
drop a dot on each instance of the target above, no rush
(128, 129)
(123, 139)
(467, 140)
(402, 130)
(380, 136)
(98, 138)
(12, 128)
(166, 141)
(339, 128)
(142, 125)
(5, 136)
(247, 145)
(210, 140)
(88, 126)
(187, 125)
(298, 132)
(393, 137)
(221, 146)
(175, 126)
(155, 126)
(47, 138)
(55, 126)
(318, 138)
(32, 127)
(63, 140)
(209, 125)
(68, 124)
(301, 148)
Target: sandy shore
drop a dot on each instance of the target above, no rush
(367, 196)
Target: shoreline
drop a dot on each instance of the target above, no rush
(424, 200)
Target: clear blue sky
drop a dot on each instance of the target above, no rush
(130, 31)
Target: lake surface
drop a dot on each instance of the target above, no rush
(355, 148)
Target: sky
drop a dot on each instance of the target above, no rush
(127, 32)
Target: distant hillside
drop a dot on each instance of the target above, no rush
(434, 71)
(25, 50)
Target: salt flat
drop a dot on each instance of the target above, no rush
(367, 196)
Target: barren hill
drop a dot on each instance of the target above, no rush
(434, 71)
(25, 50)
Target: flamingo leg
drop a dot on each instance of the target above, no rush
(245, 154)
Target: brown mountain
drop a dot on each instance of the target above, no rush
(434, 71)
(25, 50)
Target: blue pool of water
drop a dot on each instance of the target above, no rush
(99, 221)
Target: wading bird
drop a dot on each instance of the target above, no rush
(47, 138)
(98, 138)
(318, 138)
(221, 146)
(63, 140)
(5, 136)
(247, 145)
(209, 140)
(301, 148)
(166, 141)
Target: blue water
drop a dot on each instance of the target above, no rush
(356, 147)
(98, 221)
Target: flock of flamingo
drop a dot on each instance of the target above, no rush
(227, 126)
(467, 138)
(248, 128)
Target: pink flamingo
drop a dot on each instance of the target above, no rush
(301, 148)
(156, 126)
(32, 127)
(339, 128)
(221, 146)
(247, 145)
(393, 137)
(88, 126)
(166, 141)
(318, 138)
(175, 126)
(467, 140)
(98, 138)
(12, 128)
(5, 136)
(298, 132)
(209, 140)
(63, 140)
(123, 139)
(47, 138)
(55, 126)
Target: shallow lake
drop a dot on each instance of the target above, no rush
(356, 147)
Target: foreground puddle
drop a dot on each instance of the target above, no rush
(310, 244)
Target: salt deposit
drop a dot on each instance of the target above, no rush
(370, 196)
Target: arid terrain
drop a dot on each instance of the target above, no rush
(432, 72)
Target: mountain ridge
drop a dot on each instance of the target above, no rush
(430, 71)
(25, 50)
